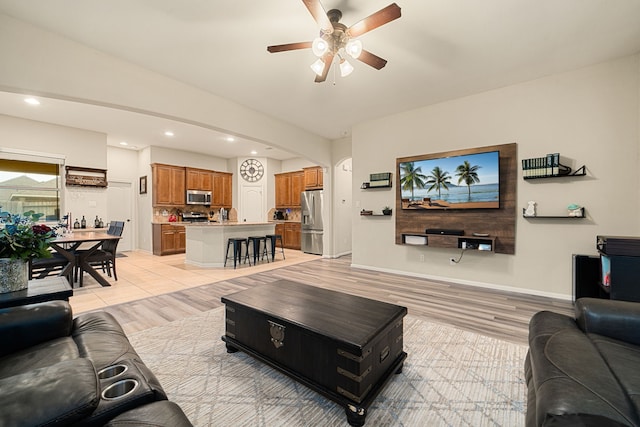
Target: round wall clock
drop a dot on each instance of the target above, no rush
(251, 170)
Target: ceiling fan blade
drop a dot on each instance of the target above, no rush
(374, 21)
(289, 46)
(319, 14)
(373, 60)
(328, 60)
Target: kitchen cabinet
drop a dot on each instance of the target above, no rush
(297, 187)
(168, 185)
(199, 179)
(289, 185)
(169, 239)
(283, 190)
(290, 232)
(222, 190)
(292, 236)
(313, 179)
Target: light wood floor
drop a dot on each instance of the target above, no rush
(173, 290)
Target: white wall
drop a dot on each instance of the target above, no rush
(42, 63)
(78, 147)
(590, 116)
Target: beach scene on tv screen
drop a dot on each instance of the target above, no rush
(469, 181)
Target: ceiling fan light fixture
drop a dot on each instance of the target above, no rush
(354, 48)
(319, 47)
(345, 68)
(318, 66)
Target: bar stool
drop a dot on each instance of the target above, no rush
(237, 242)
(254, 243)
(274, 238)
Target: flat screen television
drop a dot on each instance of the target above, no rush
(467, 181)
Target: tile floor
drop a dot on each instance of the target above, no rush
(142, 274)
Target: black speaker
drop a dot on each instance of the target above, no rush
(444, 231)
(586, 277)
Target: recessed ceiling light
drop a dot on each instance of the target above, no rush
(230, 139)
(124, 143)
(32, 101)
(168, 133)
(254, 152)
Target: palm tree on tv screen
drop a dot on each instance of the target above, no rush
(438, 179)
(412, 177)
(468, 174)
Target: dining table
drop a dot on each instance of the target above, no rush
(68, 245)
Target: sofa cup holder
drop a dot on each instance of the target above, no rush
(120, 389)
(112, 371)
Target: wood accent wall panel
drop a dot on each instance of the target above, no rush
(499, 223)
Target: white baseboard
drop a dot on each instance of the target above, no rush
(468, 283)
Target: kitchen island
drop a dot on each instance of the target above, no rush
(207, 241)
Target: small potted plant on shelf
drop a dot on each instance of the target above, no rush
(386, 210)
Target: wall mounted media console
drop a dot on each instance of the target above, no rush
(488, 227)
(453, 241)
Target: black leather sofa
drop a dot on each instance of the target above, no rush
(585, 371)
(57, 370)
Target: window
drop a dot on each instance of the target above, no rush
(30, 186)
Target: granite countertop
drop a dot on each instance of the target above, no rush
(282, 221)
(223, 224)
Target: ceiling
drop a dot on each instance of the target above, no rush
(438, 50)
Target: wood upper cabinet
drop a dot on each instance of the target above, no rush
(289, 185)
(199, 179)
(168, 185)
(297, 187)
(313, 178)
(222, 190)
(283, 190)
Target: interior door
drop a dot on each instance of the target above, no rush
(252, 209)
(120, 208)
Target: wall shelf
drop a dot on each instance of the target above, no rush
(581, 171)
(367, 186)
(478, 243)
(370, 213)
(582, 216)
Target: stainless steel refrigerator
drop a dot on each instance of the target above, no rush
(311, 228)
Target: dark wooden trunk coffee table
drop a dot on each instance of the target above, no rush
(342, 346)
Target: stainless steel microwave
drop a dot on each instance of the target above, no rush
(198, 197)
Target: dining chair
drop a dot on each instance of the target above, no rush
(105, 256)
(40, 268)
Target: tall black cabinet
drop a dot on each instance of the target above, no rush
(619, 266)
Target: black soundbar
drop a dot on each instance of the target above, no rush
(444, 231)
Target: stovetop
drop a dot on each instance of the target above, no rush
(194, 217)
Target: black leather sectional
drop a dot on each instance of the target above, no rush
(57, 370)
(585, 371)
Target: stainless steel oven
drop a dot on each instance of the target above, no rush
(198, 197)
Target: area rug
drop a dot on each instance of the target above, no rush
(450, 378)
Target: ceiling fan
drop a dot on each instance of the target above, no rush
(336, 39)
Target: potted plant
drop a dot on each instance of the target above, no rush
(386, 210)
(21, 239)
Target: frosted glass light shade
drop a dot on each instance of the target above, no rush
(319, 46)
(354, 48)
(318, 66)
(345, 68)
